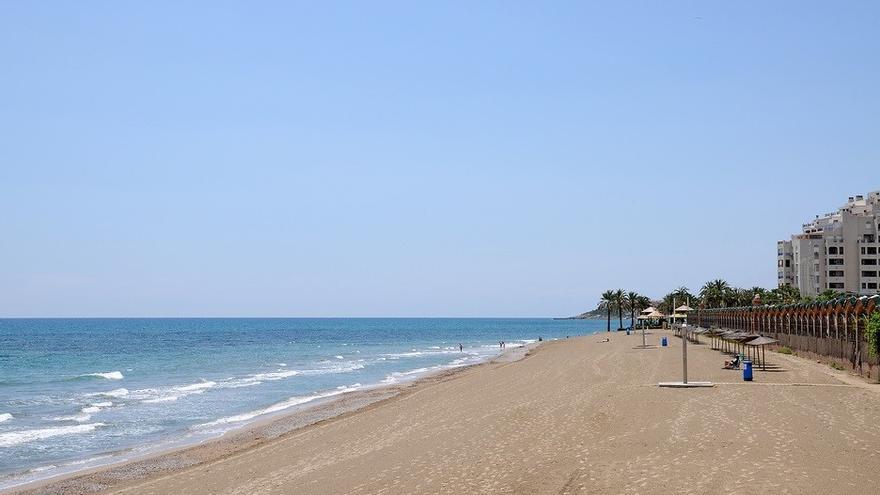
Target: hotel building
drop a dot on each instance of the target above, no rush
(837, 251)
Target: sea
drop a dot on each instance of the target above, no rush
(81, 393)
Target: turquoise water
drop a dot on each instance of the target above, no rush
(75, 393)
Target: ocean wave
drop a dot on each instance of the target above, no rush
(117, 393)
(342, 368)
(5, 417)
(277, 407)
(258, 378)
(19, 437)
(398, 376)
(85, 414)
(110, 375)
(171, 394)
(434, 351)
(275, 375)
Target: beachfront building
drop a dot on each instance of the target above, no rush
(837, 251)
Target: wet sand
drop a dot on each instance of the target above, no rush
(574, 416)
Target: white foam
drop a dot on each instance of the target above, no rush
(171, 394)
(5, 417)
(79, 418)
(195, 386)
(85, 413)
(19, 437)
(259, 378)
(117, 393)
(434, 351)
(110, 375)
(280, 406)
(342, 368)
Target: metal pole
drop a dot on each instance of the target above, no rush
(684, 347)
(684, 354)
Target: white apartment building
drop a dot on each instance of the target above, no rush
(836, 251)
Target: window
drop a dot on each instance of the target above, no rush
(868, 238)
(872, 250)
(835, 261)
(866, 273)
(863, 250)
(868, 261)
(835, 273)
(832, 250)
(864, 285)
(836, 285)
(788, 263)
(872, 285)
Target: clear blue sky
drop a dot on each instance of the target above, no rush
(418, 158)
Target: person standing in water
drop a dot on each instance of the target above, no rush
(460, 347)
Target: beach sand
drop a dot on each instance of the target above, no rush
(573, 416)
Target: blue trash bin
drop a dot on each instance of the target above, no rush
(747, 371)
(663, 341)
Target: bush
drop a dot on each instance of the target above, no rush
(784, 350)
(873, 333)
(837, 366)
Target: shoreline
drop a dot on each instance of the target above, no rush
(168, 459)
(579, 415)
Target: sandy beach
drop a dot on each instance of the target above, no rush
(573, 416)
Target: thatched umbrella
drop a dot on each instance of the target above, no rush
(761, 341)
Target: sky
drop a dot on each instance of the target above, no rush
(418, 158)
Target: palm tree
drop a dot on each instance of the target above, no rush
(828, 294)
(607, 303)
(714, 293)
(635, 302)
(619, 296)
(787, 294)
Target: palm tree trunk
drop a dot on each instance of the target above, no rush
(609, 320)
(620, 315)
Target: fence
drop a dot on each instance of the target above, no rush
(833, 329)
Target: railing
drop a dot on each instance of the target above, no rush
(836, 329)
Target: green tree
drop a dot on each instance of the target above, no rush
(872, 329)
(785, 294)
(607, 303)
(714, 293)
(828, 294)
(619, 298)
(635, 302)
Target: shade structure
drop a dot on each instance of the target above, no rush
(684, 307)
(761, 341)
(648, 310)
